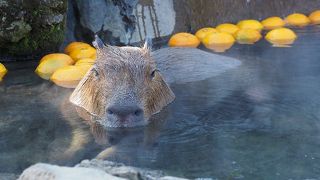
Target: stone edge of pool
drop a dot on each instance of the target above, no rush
(88, 169)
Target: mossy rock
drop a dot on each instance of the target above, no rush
(45, 40)
(32, 27)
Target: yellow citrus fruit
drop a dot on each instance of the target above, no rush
(85, 61)
(281, 36)
(297, 19)
(85, 67)
(248, 36)
(218, 42)
(315, 17)
(228, 28)
(68, 76)
(84, 52)
(50, 63)
(3, 71)
(94, 56)
(57, 56)
(183, 40)
(201, 33)
(75, 45)
(273, 23)
(250, 24)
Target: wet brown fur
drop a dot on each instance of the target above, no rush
(120, 71)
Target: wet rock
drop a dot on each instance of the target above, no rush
(99, 16)
(118, 169)
(154, 19)
(197, 14)
(52, 19)
(52, 3)
(3, 3)
(97, 11)
(31, 26)
(118, 22)
(92, 169)
(123, 21)
(16, 31)
(130, 21)
(43, 171)
(126, 172)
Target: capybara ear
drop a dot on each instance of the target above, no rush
(88, 95)
(98, 43)
(147, 44)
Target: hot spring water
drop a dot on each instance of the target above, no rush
(260, 121)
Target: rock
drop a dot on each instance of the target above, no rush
(40, 24)
(97, 11)
(197, 14)
(3, 3)
(92, 169)
(131, 21)
(31, 27)
(123, 21)
(52, 3)
(16, 31)
(118, 169)
(43, 171)
(154, 19)
(53, 19)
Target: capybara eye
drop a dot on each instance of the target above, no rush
(95, 72)
(153, 73)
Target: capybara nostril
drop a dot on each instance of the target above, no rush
(125, 110)
(109, 112)
(138, 112)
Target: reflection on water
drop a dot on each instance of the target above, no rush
(261, 121)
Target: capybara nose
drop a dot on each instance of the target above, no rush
(123, 111)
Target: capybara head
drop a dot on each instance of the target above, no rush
(123, 88)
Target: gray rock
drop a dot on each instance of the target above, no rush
(52, 3)
(43, 171)
(92, 169)
(120, 170)
(127, 172)
(131, 21)
(17, 30)
(53, 19)
(92, 13)
(114, 24)
(120, 22)
(3, 3)
(123, 21)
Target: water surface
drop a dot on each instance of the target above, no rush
(260, 121)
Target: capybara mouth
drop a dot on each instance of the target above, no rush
(120, 123)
